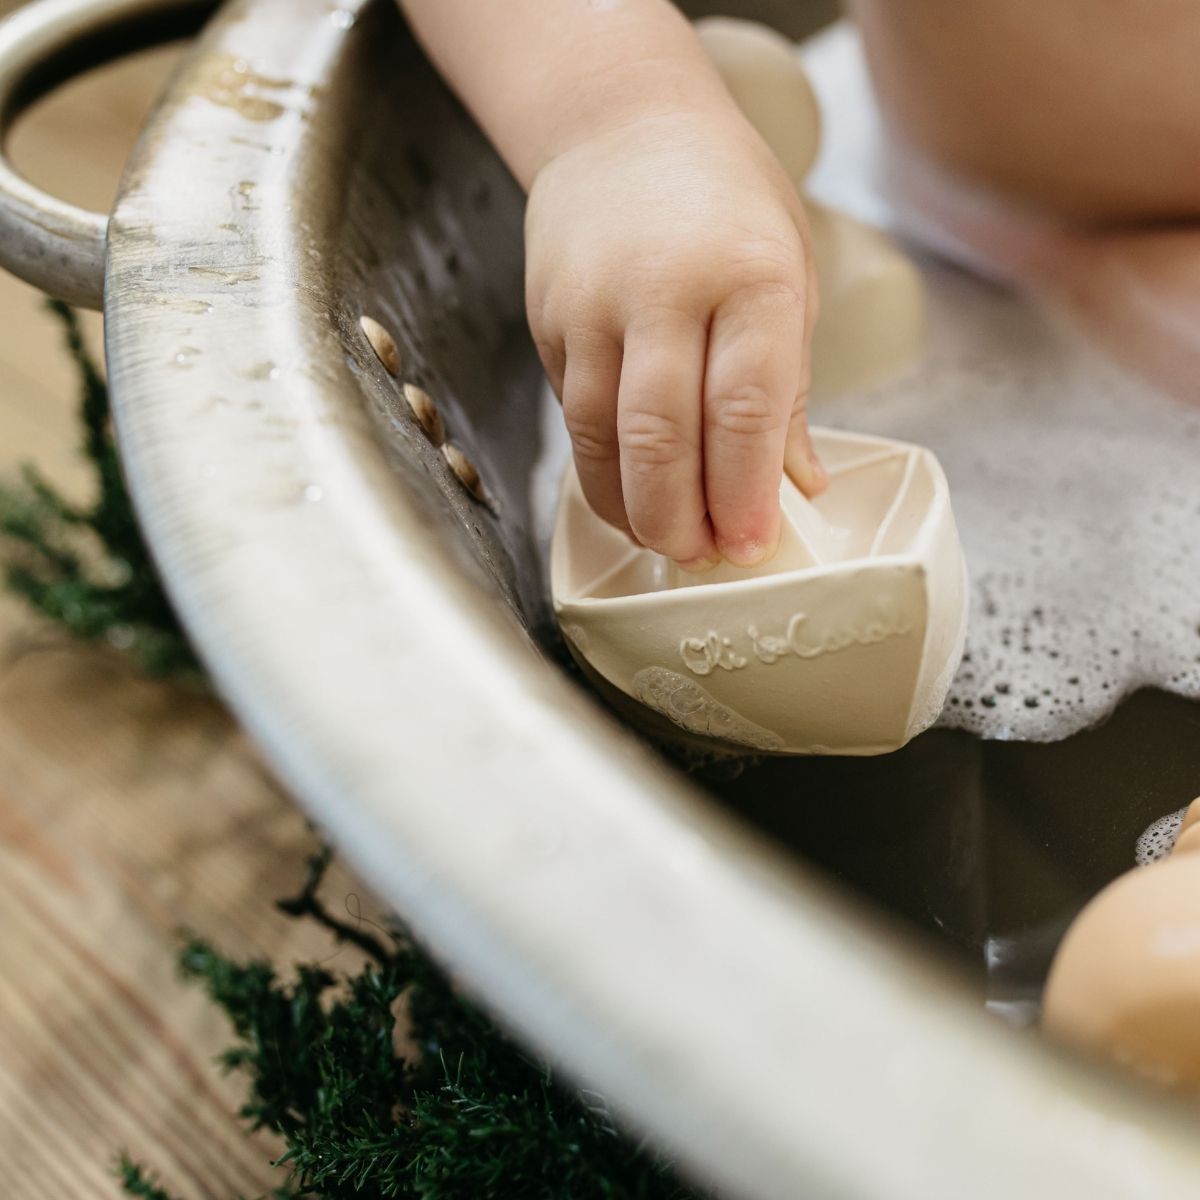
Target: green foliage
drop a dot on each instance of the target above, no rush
(86, 567)
(137, 1183)
(389, 1083)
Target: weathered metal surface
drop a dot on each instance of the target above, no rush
(374, 626)
(56, 246)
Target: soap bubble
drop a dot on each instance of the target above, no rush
(1158, 838)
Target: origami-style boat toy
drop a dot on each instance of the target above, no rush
(844, 643)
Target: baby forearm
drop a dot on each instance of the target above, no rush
(542, 75)
(667, 273)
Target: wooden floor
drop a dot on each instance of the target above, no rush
(127, 809)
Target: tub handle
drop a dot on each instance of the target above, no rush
(56, 246)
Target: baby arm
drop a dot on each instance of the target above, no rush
(668, 278)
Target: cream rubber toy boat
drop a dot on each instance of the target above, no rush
(844, 643)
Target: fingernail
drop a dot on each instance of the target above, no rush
(698, 566)
(747, 554)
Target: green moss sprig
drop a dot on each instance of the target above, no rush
(387, 1082)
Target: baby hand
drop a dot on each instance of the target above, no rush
(671, 296)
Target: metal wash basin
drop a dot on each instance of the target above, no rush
(384, 636)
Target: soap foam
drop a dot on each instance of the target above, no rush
(1077, 494)
(1159, 838)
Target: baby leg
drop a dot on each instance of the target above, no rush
(1137, 292)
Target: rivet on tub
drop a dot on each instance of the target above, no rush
(425, 413)
(467, 473)
(382, 343)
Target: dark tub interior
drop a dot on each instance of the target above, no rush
(988, 849)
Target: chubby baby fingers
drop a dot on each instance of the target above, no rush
(800, 459)
(591, 377)
(755, 363)
(660, 428)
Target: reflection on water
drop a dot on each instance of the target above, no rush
(991, 847)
